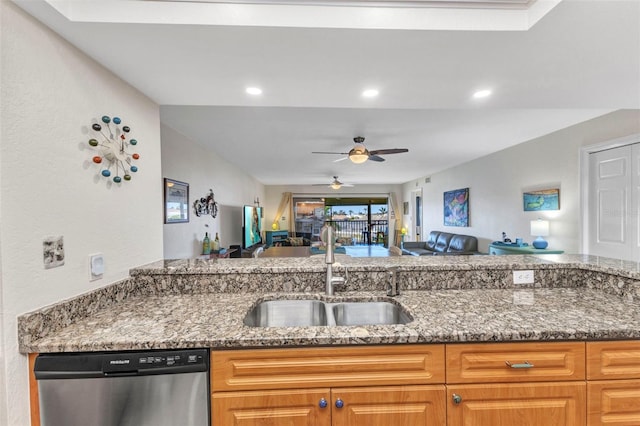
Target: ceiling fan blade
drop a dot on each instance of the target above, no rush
(323, 152)
(340, 159)
(348, 185)
(375, 158)
(388, 151)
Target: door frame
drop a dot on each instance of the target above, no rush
(585, 173)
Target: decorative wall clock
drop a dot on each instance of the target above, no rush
(113, 142)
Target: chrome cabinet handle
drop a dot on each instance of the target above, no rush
(323, 403)
(526, 364)
(457, 399)
(339, 403)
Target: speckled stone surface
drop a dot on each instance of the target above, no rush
(202, 303)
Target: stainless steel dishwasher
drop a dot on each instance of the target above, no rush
(159, 388)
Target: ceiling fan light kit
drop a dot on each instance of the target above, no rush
(335, 184)
(359, 153)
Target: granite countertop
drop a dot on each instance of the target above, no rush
(215, 319)
(316, 263)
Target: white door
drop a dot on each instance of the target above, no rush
(614, 197)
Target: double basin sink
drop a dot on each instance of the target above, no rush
(307, 313)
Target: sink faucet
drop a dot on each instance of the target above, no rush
(392, 282)
(330, 260)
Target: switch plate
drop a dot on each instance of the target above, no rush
(523, 277)
(96, 266)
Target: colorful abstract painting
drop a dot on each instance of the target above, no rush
(547, 199)
(456, 207)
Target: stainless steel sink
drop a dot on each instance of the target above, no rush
(306, 313)
(369, 313)
(287, 313)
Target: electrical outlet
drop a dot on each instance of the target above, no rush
(523, 277)
(96, 266)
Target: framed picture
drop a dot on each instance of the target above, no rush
(456, 207)
(546, 199)
(176, 201)
(405, 207)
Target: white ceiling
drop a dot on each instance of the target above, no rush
(558, 64)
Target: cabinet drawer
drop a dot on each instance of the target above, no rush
(515, 362)
(613, 403)
(613, 360)
(332, 366)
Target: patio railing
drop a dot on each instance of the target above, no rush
(361, 232)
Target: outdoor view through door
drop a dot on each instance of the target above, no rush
(357, 221)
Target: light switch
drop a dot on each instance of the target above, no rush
(96, 266)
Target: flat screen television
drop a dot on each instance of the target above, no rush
(251, 226)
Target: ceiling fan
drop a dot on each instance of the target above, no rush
(336, 184)
(359, 153)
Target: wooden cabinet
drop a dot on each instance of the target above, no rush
(515, 362)
(271, 407)
(530, 404)
(361, 406)
(506, 383)
(613, 387)
(297, 368)
(339, 386)
(392, 405)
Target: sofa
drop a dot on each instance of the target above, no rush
(442, 243)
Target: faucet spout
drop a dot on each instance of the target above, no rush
(329, 257)
(330, 260)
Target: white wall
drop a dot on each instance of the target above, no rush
(51, 92)
(186, 161)
(496, 183)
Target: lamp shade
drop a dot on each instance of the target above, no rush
(359, 154)
(540, 228)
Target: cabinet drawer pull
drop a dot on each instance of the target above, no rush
(323, 403)
(526, 364)
(457, 399)
(339, 403)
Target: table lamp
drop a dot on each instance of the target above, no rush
(540, 228)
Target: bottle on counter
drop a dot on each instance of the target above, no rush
(206, 244)
(216, 244)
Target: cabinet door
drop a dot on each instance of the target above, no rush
(613, 360)
(614, 403)
(531, 404)
(389, 406)
(301, 407)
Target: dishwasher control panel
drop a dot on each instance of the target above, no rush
(104, 364)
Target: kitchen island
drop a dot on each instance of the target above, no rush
(477, 349)
(202, 303)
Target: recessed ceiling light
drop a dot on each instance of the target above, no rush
(482, 93)
(254, 90)
(370, 93)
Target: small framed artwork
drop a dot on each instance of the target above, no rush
(546, 199)
(456, 207)
(176, 201)
(405, 207)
